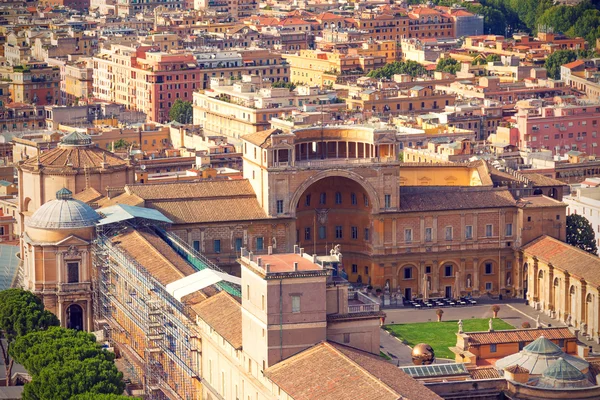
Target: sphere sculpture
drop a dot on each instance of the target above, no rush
(423, 354)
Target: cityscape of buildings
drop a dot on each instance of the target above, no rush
(244, 199)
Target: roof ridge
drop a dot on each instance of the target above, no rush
(583, 252)
(364, 370)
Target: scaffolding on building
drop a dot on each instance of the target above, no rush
(154, 332)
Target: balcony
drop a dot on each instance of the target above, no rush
(75, 287)
(360, 303)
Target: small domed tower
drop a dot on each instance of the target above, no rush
(56, 257)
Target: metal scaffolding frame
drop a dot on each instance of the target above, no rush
(154, 331)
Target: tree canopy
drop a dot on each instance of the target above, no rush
(581, 234)
(181, 111)
(21, 312)
(101, 396)
(556, 59)
(398, 67)
(448, 65)
(64, 363)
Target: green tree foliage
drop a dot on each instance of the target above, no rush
(398, 67)
(556, 59)
(492, 58)
(121, 144)
(447, 65)
(64, 363)
(581, 234)
(282, 84)
(181, 112)
(37, 350)
(21, 312)
(63, 381)
(97, 396)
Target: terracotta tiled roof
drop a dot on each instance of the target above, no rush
(577, 262)
(123, 198)
(485, 373)
(455, 200)
(210, 210)
(261, 138)
(191, 190)
(74, 157)
(516, 369)
(574, 64)
(224, 314)
(541, 180)
(344, 373)
(88, 195)
(538, 201)
(518, 335)
(152, 253)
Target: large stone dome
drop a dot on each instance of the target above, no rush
(63, 213)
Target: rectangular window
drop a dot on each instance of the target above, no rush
(469, 232)
(366, 233)
(260, 243)
(408, 273)
(448, 270)
(308, 200)
(388, 201)
(346, 338)
(488, 268)
(408, 235)
(323, 198)
(428, 232)
(353, 200)
(295, 304)
(366, 200)
(338, 198)
(338, 232)
(488, 230)
(217, 246)
(306, 233)
(508, 229)
(448, 233)
(238, 244)
(366, 270)
(354, 231)
(322, 232)
(73, 272)
(488, 286)
(354, 269)
(196, 244)
(427, 270)
(279, 206)
(561, 343)
(492, 348)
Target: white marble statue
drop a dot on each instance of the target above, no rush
(460, 326)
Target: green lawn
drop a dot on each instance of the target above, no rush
(383, 355)
(441, 335)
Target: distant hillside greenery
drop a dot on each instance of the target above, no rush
(502, 16)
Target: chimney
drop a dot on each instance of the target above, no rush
(296, 248)
(301, 250)
(270, 250)
(259, 261)
(296, 266)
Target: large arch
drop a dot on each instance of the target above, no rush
(75, 317)
(335, 173)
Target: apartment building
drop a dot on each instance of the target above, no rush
(236, 108)
(145, 80)
(32, 83)
(321, 68)
(583, 76)
(417, 99)
(568, 124)
(236, 9)
(426, 22)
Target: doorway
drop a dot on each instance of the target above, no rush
(75, 317)
(448, 292)
(408, 293)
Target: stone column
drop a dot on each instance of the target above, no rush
(434, 230)
(463, 275)
(394, 233)
(436, 276)
(550, 290)
(422, 229)
(502, 273)
(476, 275)
(583, 303)
(567, 297)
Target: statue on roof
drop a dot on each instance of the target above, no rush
(491, 325)
(460, 326)
(537, 322)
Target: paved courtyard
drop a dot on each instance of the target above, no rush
(513, 312)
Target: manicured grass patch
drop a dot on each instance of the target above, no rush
(383, 355)
(441, 335)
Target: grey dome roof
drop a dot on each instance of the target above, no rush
(63, 213)
(544, 346)
(563, 375)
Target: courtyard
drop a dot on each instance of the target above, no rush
(441, 335)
